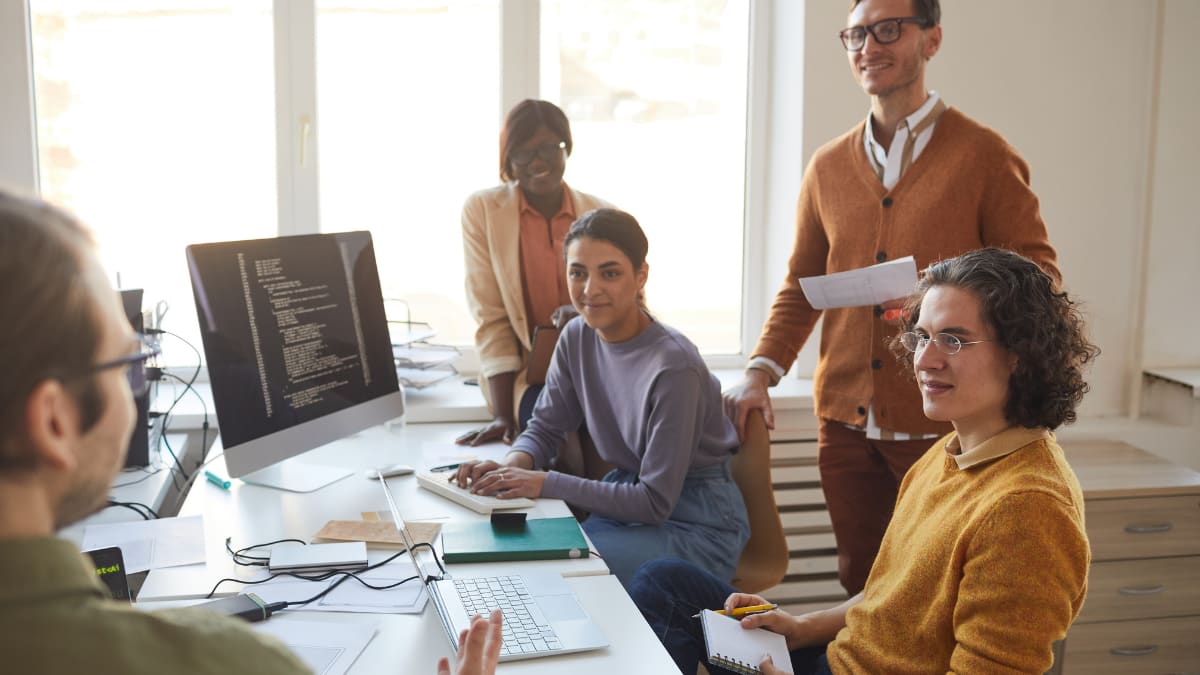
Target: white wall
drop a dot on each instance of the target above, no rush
(1071, 85)
(1172, 325)
(17, 153)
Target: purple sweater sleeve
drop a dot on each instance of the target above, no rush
(672, 435)
(557, 412)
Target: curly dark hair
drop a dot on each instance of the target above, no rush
(1033, 319)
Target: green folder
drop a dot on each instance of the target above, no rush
(540, 539)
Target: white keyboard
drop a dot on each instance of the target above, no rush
(439, 484)
(526, 630)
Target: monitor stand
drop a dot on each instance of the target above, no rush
(294, 476)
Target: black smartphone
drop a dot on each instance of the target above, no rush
(110, 567)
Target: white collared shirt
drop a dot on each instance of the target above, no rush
(889, 160)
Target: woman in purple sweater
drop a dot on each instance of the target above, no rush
(650, 405)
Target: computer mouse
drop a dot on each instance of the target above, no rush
(390, 471)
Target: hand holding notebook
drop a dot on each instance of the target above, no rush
(740, 649)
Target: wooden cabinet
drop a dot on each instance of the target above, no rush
(1142, 613)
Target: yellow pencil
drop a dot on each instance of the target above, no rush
(743, 611)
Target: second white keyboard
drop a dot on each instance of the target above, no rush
(439, 484)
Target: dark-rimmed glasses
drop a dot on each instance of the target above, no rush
(547, 151)
(136, 362)
(884, 32)
(945, 342)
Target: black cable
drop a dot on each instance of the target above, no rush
(239, 556)
(149, 474)
(136, 507)
(204, 404)
(256, 561)
(171, 451)
(187, 386)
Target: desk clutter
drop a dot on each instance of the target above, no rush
(376, 532)
(419, 362)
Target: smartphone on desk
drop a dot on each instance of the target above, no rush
(110, 567)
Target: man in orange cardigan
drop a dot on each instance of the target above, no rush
(915, 178)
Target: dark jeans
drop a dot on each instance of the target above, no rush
(670, 591)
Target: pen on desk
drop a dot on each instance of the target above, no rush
(444, 467)
(217, 480)
(743, 611)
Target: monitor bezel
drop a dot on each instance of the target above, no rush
(257, 456)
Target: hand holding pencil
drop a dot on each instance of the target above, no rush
(738, 612)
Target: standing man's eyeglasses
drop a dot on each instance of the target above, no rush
(884, 32)
(548, 152)
(136, 372)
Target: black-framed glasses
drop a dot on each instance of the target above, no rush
(136, 362)
(547, 151)
(884, 32)
(945, 342)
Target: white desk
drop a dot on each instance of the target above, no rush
(406, 643)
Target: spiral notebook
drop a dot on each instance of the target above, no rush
(741, 650)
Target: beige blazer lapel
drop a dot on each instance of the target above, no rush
(506, 242)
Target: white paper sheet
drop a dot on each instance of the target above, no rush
(867, 286)
(151, 544)
(328, 648)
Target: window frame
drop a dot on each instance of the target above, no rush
(298, 128)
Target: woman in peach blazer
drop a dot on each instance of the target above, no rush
(512, 241)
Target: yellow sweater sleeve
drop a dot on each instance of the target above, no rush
(1024, 580)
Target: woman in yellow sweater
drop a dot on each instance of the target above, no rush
(984, 564)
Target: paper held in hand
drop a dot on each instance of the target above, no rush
(862, 287)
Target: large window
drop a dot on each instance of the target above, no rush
(158, 123)
(407, 97)
(155, 125)
(656, 93)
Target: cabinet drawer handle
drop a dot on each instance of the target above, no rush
(1133, 651)
(1148, 529)
(1141, 590)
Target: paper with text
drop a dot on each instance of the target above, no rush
(862, 287)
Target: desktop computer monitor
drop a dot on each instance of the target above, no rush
(297, 348)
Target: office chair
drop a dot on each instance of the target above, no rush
(764, 561)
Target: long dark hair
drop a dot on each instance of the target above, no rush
(617, 228)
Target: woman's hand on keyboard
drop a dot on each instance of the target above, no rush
(507, 482)
(478, 648)
(471, 471)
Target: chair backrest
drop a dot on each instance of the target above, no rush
(764, 560)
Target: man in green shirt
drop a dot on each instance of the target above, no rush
(69, 364)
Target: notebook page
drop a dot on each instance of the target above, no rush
(733, 647)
